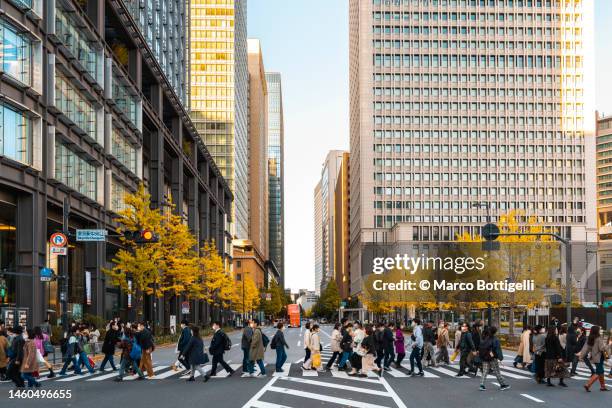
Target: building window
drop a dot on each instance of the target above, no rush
(126, 101)
(118, 192)
(124, 151)
(74, 171)
(15, 135)
(74, 105)
(16, 53)
(76, 41)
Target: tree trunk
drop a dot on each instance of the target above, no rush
(511, 322)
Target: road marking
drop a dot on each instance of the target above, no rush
(104, 377)
(447, 372)
(396, 373)
(170, 373)
(309, 373)
(75, 377)
(345, 376)
(235, 345)
(531, 398)
(396, 398)
(263, 404)
(133, 377)
(250, 403)
(427, 374)
(299, 361)
(285, 373)
(338, 386)
(299, 343)
(327, 398)
(511, 375)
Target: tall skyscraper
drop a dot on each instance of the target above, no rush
(258, 150)
(219, 93)
(341, 229)
(276, 173)
(329, 176)
(604, 208)
(318, 238)
(457, 102)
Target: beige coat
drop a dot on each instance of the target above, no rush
(315, 343)
(256, 352)
(336, 339)
(523, 349)
(596, 350)
(3, 351)
(443, 339)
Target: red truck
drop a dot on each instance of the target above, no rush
(293, 310)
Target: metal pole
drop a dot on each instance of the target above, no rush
(65, 274)
(568, 284)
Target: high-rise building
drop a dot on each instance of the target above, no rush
(258, 151)
(341, 229)
(329, 176)
(92, 106)
(276, 173)
(219, 93)
(318, 238)
(604, 208)
(456, 102)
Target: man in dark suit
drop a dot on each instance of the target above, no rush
(182, 343)
(217, 349)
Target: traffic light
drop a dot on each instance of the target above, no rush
(2, 289)
(141, 236)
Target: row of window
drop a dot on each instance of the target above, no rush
(569, 121)
(74, 171)
(472, 45)
(123, 150)
(77, 42)
(519, 18)
(476, 148)
(550, 177)
(472, 3)
(474, 61)
(75, 105)
(479, 78)
(545, 194)
(473, 134)
(15, 134)
(482, 163)
(125, 99)
(15, 53)
(389, 220)
(466, 205)
(491, 107)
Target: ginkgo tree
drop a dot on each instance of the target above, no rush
(217, 284)
(138, 264)
(247, 297)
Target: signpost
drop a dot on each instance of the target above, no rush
(46, 275)
(185, 308)
(91, 235)
(59, 244)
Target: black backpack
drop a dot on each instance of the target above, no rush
(227, 342)
(264, 339)
(274, 341)
(485, 351)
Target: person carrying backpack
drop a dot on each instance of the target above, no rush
(130, 354)
(70, 352)
(257, 349)
(219, 344)
(490, 354)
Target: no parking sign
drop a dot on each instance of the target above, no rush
(58, 243)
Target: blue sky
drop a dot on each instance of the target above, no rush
(307, 41)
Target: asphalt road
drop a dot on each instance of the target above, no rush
(297, 388)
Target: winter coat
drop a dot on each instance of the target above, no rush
(336, 339)
(554, 351)
(256, 351)
(194, 351)
(110, 341)
(279, 340)
(369, 344)
(184, 339)
(145, 339)
(387, 339)
(247, 336)
(443, 339)
(3, 351)
(466, 343)
(17, 348)
(217, 344)
(523, 349)
(399, 342)
(357, 339)
(29, 364)
(347, 341)
(596, 350)
(315, 343)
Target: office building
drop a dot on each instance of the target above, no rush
(318, 238)
(219, 93)
(326, 207)
(456, 102)
(341, 229)
(604, 208)
(276, 173)
(91, 107)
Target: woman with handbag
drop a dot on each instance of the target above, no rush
(44, 346)
(368, 345)
(599, 352)
(315, 349)
(336, 340)
(358, 351)
(554, 364)
(195, 355)
(29, 365)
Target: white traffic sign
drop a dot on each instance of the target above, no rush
(58, 240)
(59, 250)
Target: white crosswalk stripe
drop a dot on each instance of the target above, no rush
(285, 373)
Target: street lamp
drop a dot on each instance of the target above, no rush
(487, 205)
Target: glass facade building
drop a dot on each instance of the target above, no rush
(219, 93)
(456, 102)
(276, 190)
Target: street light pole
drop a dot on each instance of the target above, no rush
(487, 205)
(65, 264)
